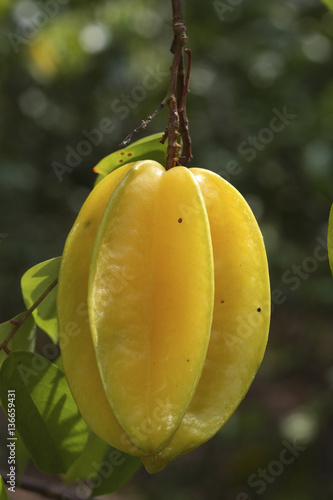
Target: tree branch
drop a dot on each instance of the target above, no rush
(143, 125)
(180, 86)
(175, 98)
(18, 323)
(184, 127)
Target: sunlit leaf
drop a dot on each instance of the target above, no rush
(116, 470)
(3, 491)
(34, 282)
(47, 417)
(149, 148)
(89, 460)
(329, 3)
(23, 339)
(330, 239)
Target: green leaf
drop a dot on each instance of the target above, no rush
(58, 363)
(47, 417)
(105, 468)
(330, 239)
(98, 179)
(33, 283)
(23, 339)
(3, 491)
(329, 3)
(116, 470)
(149, 148)
(22, 458)
(89, 460)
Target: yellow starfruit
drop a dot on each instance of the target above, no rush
(163, 308)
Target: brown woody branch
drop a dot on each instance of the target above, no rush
(176, 97)
(178, 125)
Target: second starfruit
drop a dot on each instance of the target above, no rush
(163, 308)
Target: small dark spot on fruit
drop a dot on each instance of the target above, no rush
(187, 360)
(222, 301)
(129, 154)
(88, 223)
(120, 161)
(180, 220)
(259, 309)
(122, 153)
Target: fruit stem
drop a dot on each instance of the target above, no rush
(178, 122)
(19, 323)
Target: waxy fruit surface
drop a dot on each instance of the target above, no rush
(163, 308)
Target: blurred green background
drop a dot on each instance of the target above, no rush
(69, 67)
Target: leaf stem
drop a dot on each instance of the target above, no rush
(18, 323)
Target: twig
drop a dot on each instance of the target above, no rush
(177, 82)
(184, 128)
(175, 98)
(143, 125)
(182, 104)
(165, 136)
(18, 323)
(173, 146)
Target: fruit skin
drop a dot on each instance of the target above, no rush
(107, 360)
(77, 350)
(240, 319)
(142, 293)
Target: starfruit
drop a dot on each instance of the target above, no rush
(163, 308)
